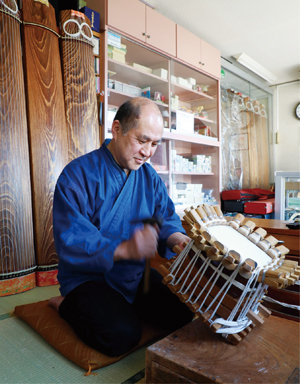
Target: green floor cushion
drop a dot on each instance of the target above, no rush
(57, 332)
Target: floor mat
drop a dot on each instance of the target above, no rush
(25, 357)
(8, 303)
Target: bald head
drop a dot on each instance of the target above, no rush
(131, 111)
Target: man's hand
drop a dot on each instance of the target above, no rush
(176, 239)
(142, 245)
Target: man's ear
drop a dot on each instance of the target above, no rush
(115, 128)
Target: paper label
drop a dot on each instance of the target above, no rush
(46, 2)
(184, 122)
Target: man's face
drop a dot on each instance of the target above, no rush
(139, 144)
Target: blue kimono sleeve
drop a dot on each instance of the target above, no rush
(78, 242)
(165, 208)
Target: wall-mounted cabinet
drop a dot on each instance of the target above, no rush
(197, 52)
(143, 23)
(139, 22)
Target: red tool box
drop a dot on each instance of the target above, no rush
(261, 207)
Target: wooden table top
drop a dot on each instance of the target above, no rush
(269, 354)
(275, 225)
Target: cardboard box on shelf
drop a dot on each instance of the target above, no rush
(191, 80)
(146, 92)
(161, 72)
(95, 42)
(182, 81)
(142, 67)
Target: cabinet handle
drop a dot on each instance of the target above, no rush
(148, 36)
(144, 33)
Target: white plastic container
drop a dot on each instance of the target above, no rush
(161, 72)
(191, 80)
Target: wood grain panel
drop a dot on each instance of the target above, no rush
(16, 233)
(265, 149)
(79, 88)
(270, 354)
(46, 119)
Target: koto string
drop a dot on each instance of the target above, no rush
(3, 237)
(187, 271)
(190, 268)
(16, 238)
(21, 262)
(205, 265)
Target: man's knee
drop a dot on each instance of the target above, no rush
(119, 340)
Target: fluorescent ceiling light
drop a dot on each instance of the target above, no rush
(251, 64)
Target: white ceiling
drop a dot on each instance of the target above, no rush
(266, 30)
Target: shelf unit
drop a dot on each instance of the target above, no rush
(186, 144)
(97, 57)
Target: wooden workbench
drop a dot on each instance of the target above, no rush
(194, 354)
(280, 231)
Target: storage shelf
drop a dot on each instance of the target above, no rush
(133, 76)
(197, 139)
(185, 144)
(204, 119)
(117, 98)
(189, 95)
(194, 173)
(162, 172)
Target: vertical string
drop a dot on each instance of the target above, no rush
(12, 125)
(19, 132)
(26, 233)
(3, 180)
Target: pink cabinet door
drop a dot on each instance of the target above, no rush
(127, 16)
(210, 59)
(161, 32)
(188, 47)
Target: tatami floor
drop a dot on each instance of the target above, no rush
(25, 357)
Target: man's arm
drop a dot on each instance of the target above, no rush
(176, 239)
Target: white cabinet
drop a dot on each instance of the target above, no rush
(287, 195)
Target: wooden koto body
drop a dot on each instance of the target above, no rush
(79, 83)
(46, 119)
(223, 273)
(16, 235)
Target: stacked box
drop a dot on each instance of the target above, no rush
(175, 102)
(116, 53)
(145, 92)
(142, 67)
(161, 72)
(202, 163)
(117, 85)
(132, 90)
(187, 194)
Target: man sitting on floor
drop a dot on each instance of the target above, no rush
(100, 203)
